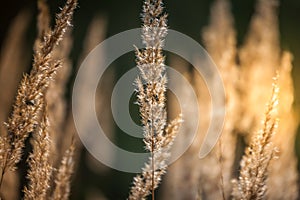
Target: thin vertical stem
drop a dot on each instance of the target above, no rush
(152, 155)
(3, 170)
(220, 159)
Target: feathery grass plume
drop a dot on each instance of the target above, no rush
(283, 177)
(62, 180)
(151, 89)
(220, 41)
(29, 100)
(14, 61)
(40, 169)
(251, 183)
(261, 48)
(54, 93)
(11, 179)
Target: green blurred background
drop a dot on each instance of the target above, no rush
(188, 17)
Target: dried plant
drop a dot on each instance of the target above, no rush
(151, 89)
(283, 176)
(262, 48)
(40, 169)
(14, 61)
(251, 183)
(29, 104)
(62, 180)
(245, 81)
(40, 111)
(55, 94)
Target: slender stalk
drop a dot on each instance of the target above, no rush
(151, 89)
(220, 159)
(251, 183)
(3, 170)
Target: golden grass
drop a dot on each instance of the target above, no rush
(40, 115)
(251, 183)
(151, 95)
(29, 114)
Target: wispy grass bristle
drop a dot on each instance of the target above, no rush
(251, 183)
(62, 180)
(40, 169)
(151, 90)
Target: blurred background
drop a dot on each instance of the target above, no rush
(92, 180)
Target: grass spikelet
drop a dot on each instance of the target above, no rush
(151, 89)
(14, 61)
(63, 177)
(40, 170)
(283, 180)
(29, 100)
(251, 183)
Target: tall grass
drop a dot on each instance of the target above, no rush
(151, 89)
(29, 114)
(254, 158)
